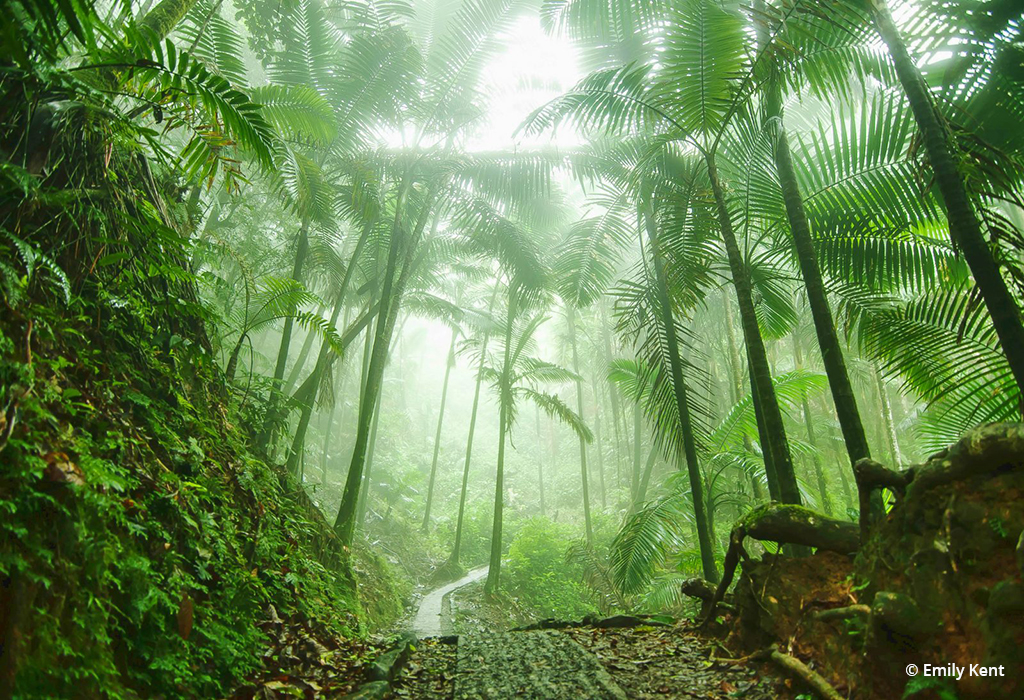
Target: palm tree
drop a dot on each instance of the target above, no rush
(803, 243)
(964, 225)
(692, 98)
(514, 380)
(453, 560)
(444, 92)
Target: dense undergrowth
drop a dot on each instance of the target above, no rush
(141, 540)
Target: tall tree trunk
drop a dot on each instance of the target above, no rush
(364, 491)
(817, 299)
(579, 409)
(457, 548)
(540, 462)
(964, 227)
(760, 371)
(613, 394)
(819, 472)
(764, 437)
(344, 523)
(645, 480)
(890, 426)
(300, 360)
(340, 392)
(391, 298)
(229, 372)
(324, 356)
(737, 393)
(450, 362)
(271, 417)
(634, 484)
(679, 389)
(505, 397)
(599, 444)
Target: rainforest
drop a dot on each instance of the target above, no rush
(511, 348)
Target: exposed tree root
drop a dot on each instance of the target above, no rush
(989, 448)
(700, 589)
(785, 524)
(843, 613)
(871, 475)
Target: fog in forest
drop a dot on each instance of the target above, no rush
(570, 308)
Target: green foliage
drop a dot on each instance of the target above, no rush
(536, 572)
(155, 514)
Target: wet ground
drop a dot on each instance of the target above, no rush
(642, 662)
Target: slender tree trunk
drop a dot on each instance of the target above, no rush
(505, 396)
(306, 394)
(345, 522)
(819, 472)
(300, 360)
(266, 434)
(339, 394)
(494, 570)
(817, 299)
(324, 358)
(450, 362)
(229, 372)
(364, 491)
(707, 555)
(737, 393)
(390, 298)
(890, 426)
(847, 491)
(599, 444)
(540, 462)
(613, 394)
(760, 371)
(634, 484)
(327, 440)
(579, 409)
(457, 548)
(964, 227)
(645, 480)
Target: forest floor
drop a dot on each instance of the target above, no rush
(485, 659)
(641, 662)
(488, 660)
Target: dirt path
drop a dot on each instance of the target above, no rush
(429, 616)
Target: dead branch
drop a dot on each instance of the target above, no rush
(798, 668)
